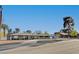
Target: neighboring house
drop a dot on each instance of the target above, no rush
(61, 35)
(27, 36)
(64, 35)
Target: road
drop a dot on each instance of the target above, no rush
(44, 47)
(28, 43)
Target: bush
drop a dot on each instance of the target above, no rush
(73, 33)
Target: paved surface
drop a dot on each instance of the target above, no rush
(27, 43)
(43, 47)
(9, 41)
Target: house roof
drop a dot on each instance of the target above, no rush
(28, 34)
(64, 33)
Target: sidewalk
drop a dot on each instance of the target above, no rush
(10, 41)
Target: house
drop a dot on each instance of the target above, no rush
(27, 36)
(61, 35)
(64, 35)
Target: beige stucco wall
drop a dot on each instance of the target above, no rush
(2, 34)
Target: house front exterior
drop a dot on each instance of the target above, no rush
(27, 36)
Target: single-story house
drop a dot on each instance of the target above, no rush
(27, 36)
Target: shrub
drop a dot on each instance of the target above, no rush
(73, 33)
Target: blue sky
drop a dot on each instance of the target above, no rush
(39, 17)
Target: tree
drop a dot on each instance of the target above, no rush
(28, 31)
(0, 31)
(68, 24)
(17, 30)
(73, 33)
(4, 27)
(57, 34)
(10, 30)
(46, 33)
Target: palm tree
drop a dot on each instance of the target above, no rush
(4, 27)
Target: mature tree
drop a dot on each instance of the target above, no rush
(4, 27)
(10, 30)
(17, 30)
(68, 23)
(28, 31)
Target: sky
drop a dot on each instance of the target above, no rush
(39, 17)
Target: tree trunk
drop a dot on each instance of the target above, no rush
(4, 32)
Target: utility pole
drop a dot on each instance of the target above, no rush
(0, 20)
(0, 14)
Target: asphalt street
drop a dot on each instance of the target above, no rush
(34, 43)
